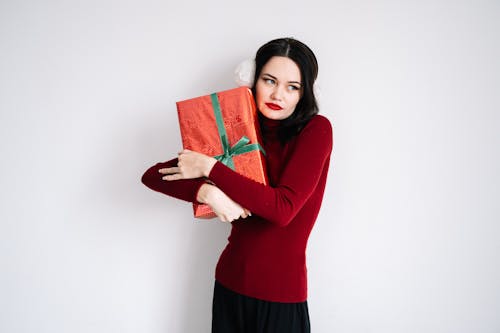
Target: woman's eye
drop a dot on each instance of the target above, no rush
(270, 81)
(293, 88)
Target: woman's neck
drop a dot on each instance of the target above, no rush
(270, 128)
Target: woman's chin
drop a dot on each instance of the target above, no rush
(274, 115)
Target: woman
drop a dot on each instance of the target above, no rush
(261, 276)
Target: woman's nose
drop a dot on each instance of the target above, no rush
(276, 93)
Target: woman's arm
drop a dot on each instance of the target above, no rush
(300, 176)
(184, 189)
(278, 204)
(224, 207)
(194, 190)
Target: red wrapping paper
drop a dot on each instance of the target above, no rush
(199, 133)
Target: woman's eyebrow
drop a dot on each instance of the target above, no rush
(276, 79)
(272, 76)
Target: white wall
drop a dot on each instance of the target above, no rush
(408, 237)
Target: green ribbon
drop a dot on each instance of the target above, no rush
(240, 147)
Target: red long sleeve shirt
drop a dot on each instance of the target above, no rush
(265, 257)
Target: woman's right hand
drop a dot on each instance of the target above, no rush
(224, 207)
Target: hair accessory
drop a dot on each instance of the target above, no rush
(244, 73)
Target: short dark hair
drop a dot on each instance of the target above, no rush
(305, 59)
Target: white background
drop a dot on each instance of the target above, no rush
(408, 239)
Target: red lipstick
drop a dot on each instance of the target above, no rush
(273, 106)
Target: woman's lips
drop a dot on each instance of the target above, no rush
(273, 106)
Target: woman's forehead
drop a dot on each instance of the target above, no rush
(282, 68)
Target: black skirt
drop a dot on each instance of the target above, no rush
(236, 313)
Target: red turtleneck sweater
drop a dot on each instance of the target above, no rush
(265, 257)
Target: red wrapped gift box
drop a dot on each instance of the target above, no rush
(224, 125)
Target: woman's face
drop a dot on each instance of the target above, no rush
(278, 88)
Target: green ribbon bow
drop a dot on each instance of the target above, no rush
(240, 147)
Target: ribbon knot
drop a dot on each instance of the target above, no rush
(242, 146)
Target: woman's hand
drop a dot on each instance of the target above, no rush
(190, 165)
(224, 207)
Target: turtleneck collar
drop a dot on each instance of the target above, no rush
(271, 123)
(270, 128)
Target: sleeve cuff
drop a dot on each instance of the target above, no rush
(197, 189)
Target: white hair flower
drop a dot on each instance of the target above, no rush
(244, 73)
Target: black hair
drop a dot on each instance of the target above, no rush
(305, 59)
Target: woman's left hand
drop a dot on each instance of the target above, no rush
(190, 165)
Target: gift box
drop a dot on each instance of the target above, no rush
(224, 125)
